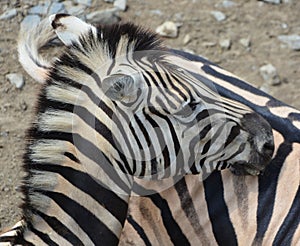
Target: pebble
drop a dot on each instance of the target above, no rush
(16, 79)
(109, 1)
(293, 41)
(40, 9)
(269, 74)
(208, 44)
(84, 2)
(186, 39)
(225, 43)
(168, 29)
(56, 8)
(228, 4)
(109, 16)
(246, 42)
(120, 4)
(219, 16)
(8, 14)
(30, 21)
(272, 1)
(156, 12)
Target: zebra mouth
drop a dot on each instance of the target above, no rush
(240, 169)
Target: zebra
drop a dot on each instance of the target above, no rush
(116, 106)
(225, 209)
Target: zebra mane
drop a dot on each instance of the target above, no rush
(142, 39)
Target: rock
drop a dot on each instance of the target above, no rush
(168, 29)
(56, 8)
(293, 41)
(16, 79)
(120, 4)
(269, 74)
(29, 22)
(84, 2)
(8, 14)
(76, 10)
(228, 4)
(41, 9)
(109, 16)
(109, 1)
(219, 16)
(225, 43)
(246, 42)
(186, 39)
(272, 1)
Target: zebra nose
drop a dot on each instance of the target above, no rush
(261, 139)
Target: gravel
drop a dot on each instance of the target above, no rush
(168, 29)
(218, 15)
(56, 8)
(293, 41)
(109, 16)
(41, 9)
(16, 79)
(225, 43)
(8, 14)
(246, 42)
(30, 21)
(272, 1)
(120, 4)
(269, 74)
(84, 2)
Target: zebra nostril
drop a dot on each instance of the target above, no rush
(268, 148)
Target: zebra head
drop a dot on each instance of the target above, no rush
(162, 120)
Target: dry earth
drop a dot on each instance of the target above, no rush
(260, 22)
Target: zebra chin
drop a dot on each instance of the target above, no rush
(261, 144)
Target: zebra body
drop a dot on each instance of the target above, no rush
(112, 114)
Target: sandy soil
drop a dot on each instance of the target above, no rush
(262, 23)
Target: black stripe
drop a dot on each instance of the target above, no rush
(60, 228)
(234, 132)
(72, 157)
(187, 205)
(139, 230)
(267, 190)
(44, 237)
(217, 209)
(98, 232)
(291, 222)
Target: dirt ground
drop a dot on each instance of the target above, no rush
(253, 19)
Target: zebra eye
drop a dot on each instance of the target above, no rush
(117, 86)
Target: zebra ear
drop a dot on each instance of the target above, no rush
(69, 28)
(118, 86)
